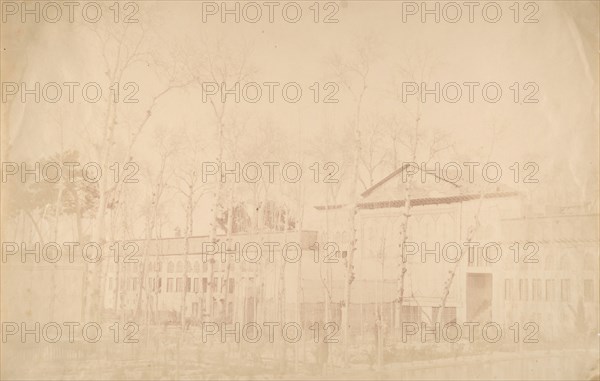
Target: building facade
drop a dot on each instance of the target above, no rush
(496, 261)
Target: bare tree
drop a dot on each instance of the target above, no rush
(158, 184)
(470, 235)
(220, 67)
(353, 74)
(373, 155)
(414, 142)
(122, 49)
(191, 189)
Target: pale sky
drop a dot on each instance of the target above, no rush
(559, 54)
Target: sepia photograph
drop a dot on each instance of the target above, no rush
(300, 190)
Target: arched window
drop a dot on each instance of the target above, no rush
(170, 267)
(565, 261)
(445, 225)
(589, 263)
(368, 236)
(179, 266)
(427, 227)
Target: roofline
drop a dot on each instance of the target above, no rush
(239, 234)
(378, 184)
(396, 172)
(382, 181)
(328, 207)
(423, 201)
(435, 200)
(536, 217)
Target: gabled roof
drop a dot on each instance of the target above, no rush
(389, 191)
(394, 174)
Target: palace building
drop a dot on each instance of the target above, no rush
(504, 265)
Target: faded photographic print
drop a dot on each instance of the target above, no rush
(300, 190)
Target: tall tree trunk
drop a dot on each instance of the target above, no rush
(228, 240)
(94, 275)
(215, 213)
(353, 233)
(189, 227)
(53, 270)
(405, 219)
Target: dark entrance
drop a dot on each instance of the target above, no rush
(479, 297)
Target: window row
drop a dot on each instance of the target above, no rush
(545, 289)
(196, 267)
(196, 285)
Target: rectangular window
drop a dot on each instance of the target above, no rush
(410, 314)
(588, 290)
(449, 315)
(229, 312)
(536, 289)
(231, 285)
(549, 290)
(159, 284)
(196, 284)
(188, 284)
(169, 284)
(204, 285)
(179, 285)
(565, 290)
(523, 289)
(507, 289)
(471, 256)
